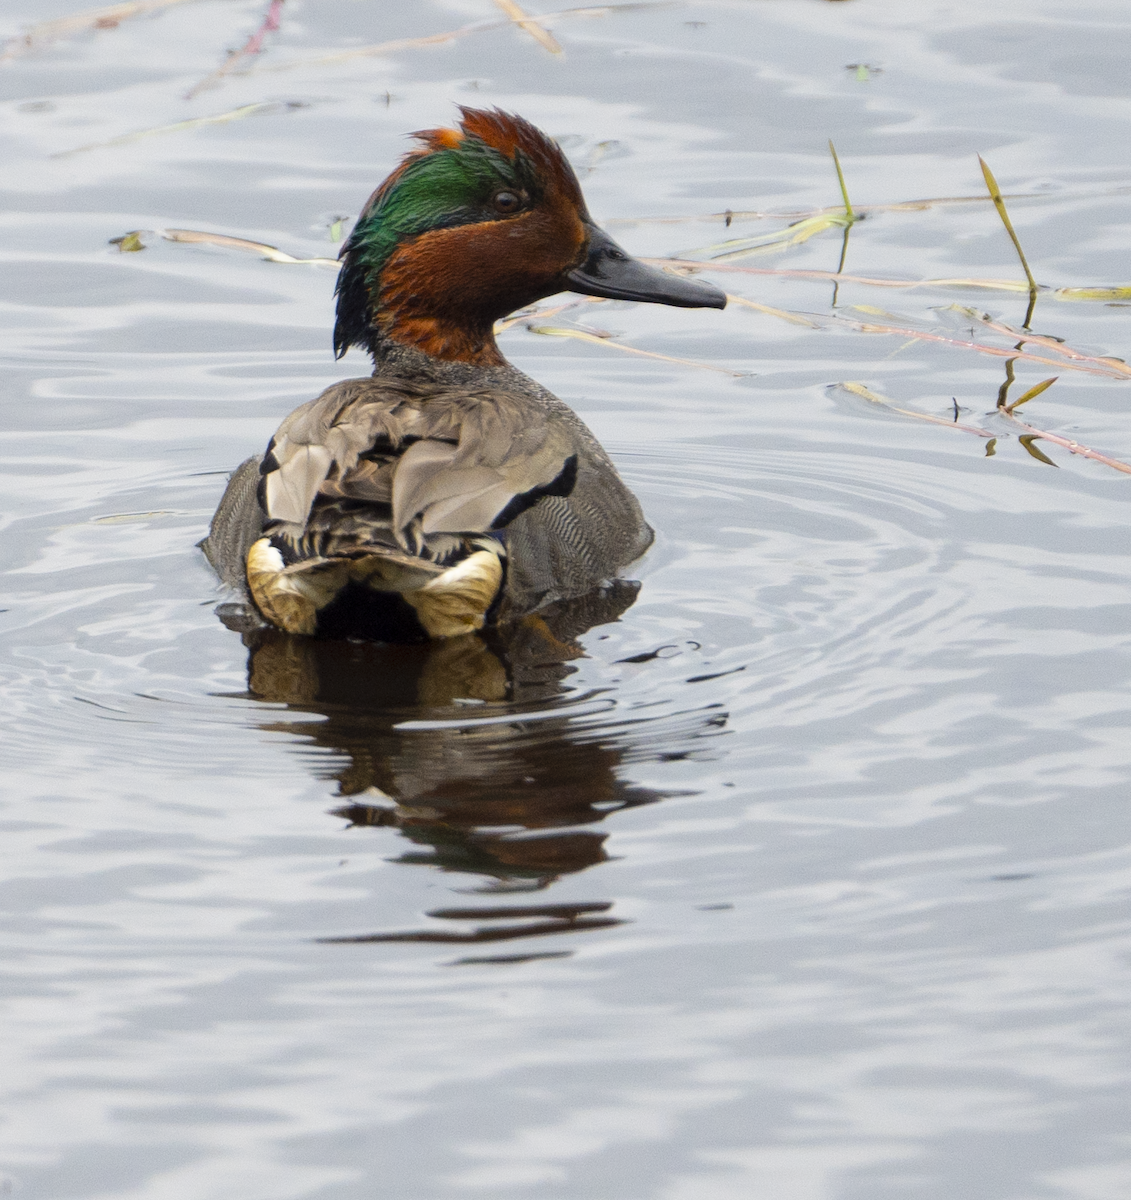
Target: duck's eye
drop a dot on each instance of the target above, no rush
(506, 202)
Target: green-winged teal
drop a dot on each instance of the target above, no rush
(447, 490)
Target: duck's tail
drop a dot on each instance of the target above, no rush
(377, 590)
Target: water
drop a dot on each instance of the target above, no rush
(806, 877)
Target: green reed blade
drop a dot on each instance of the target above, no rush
(1031, 393)
(840, 179)
(999, 204)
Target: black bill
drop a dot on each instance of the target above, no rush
(608, 271)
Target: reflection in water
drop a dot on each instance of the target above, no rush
(472, 751)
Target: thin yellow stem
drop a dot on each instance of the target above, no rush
(999, 204)
(520, 17)
(840, 179)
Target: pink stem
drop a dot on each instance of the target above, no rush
(270, 24)
(1075, 447)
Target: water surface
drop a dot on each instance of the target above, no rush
(802, 871)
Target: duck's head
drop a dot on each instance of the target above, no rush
(473, 224)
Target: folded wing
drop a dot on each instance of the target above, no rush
(430, 461)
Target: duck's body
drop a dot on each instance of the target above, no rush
(448, 489)
(422, 465)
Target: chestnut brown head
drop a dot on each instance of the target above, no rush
(473, 224)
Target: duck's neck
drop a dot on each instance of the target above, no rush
(445, 340)
(394, 357)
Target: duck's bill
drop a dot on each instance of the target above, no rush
(609, 272)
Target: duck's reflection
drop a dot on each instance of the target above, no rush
(458, 746)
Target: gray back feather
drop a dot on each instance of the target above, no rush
(445, 448)
(236, 524)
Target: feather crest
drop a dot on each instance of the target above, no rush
(443, 182)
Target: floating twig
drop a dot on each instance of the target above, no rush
(781, 239)
(1032, 433)
(794, 234)
(999, 204)
(271, 253)
(380, 48)
(1053, 344)
(109, 17)
(1092, 293)
(536, 314)
(996, 285)
(1026, 439)
(582, 336)
(132, 242)
(1076, 361)
(451, 35)
(862, 390)
(1103, 367)
(262, 249)
(730, 215)
(792, 317)
(523, 19)
(1071, 360)
(253, 46)
(260, 108)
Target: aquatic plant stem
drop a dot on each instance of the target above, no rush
(1109, 368)
(436, 39)
(993, 285)
(1007, 383)
(236, 114)
(253, 45)
(730, 215)
(999, 204)
(852, 218)
(1030, 434)
(840, 179)
(528, 23)
(840, 265)
(109, 17)
(1032, 339)
(593, 339)
(861, 390)
(1025, 397)
(1075, 447)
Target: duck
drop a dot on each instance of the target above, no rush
(447, 491)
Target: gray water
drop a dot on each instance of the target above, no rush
(819, 853)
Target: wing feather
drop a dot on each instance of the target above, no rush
(452, 460)
(290, 490)
(500, 455)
